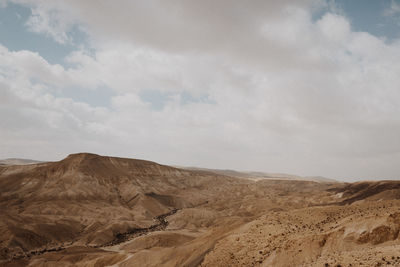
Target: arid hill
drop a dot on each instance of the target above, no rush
(15, 161)
(90, 210)
(263, 175)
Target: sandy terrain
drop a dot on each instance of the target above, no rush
(89, 210)
(13, 161)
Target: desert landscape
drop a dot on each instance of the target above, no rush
(91, 210)
(188, 133)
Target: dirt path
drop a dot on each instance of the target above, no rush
(129, 255)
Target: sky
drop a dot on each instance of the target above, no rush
(307, 87)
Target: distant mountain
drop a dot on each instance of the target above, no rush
(263, 175)
(16, 161)
(321, 179)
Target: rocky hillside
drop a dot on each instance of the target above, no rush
(89, 199)
(91, 210)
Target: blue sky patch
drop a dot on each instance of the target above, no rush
(99, 97)
(14, 35)
(369, 16)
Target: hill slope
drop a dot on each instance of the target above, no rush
(91, 210)
(89, 199)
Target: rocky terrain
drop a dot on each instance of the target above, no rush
(90, 210)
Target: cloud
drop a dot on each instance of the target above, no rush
(335, 28)
(393, 10)
(53, 19)
(260, 86)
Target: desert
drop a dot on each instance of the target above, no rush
(199, 133)
(91, 210)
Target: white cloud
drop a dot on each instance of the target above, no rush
(335, 27)
(53, 19)
(393, 10)
(270, 89)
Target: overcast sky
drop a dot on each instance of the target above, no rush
(309, 87)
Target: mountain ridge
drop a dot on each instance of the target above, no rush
(92, 210)
(256, 175)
